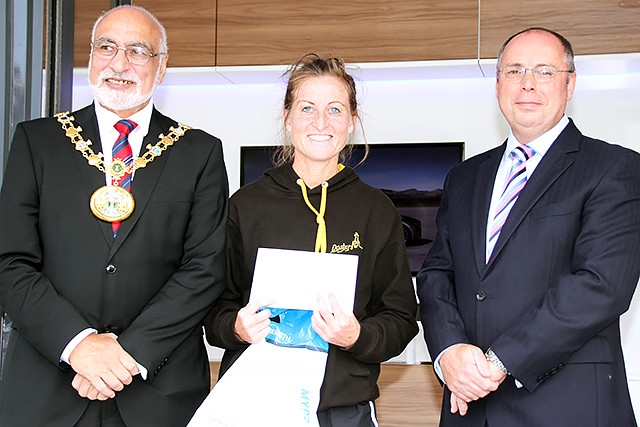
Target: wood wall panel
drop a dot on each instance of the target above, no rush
(86, 13)
(191, 30)
(266, 32)
(190, 26)
(410, 396)
(592, 26)
(257, 32)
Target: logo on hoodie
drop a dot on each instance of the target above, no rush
(347, 247)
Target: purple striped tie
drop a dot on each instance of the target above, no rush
(515, 183)
(122, 151)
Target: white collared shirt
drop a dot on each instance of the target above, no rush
(540, 145)
(109, 134)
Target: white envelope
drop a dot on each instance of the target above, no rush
(295, 279)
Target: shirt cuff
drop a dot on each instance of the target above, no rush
(436, 364)
(142, 371)
(64, 357)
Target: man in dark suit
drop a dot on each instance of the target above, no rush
(107, 288)
(521, 308)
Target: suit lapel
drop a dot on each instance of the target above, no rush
(481, 199)
(551, 167)
(145, 179)
(92, 178)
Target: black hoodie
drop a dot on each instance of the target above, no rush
(361, 220)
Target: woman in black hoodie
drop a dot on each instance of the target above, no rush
(310, 201)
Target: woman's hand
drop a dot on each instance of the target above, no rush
(334, 325)
(252, 325)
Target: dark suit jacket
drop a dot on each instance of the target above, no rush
(167, 268)
(548, 303)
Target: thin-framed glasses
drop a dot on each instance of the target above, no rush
(543, 73)
(138, 55)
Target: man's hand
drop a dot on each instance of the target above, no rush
(468, 375)
(86, 389)
(102, 362)
(458, 405)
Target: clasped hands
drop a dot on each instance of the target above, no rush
(469, 375)
(102, 367)
(329, 321)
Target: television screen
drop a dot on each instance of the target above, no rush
(410, 174)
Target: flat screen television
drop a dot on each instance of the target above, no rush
(410, 174)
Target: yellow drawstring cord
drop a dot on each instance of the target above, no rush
(321, 236)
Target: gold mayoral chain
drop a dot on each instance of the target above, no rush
(113, 203)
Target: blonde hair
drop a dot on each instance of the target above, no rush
(312, 65)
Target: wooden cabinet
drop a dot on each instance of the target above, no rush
(272, 32)
(256, 32)
(592, 26)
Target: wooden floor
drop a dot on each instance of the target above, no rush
(410, 395)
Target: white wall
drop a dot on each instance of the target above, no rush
(405, 102)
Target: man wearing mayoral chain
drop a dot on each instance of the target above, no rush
(111, 248)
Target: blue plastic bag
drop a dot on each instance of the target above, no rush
(292, 328)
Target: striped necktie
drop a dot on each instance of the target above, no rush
(122, 151)
(515, 183)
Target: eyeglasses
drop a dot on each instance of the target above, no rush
(542, 73)
(137, 55)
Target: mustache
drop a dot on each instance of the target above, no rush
(110, 74)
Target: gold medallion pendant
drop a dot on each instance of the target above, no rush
(112, 203)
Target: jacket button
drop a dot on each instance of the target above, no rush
(481, 296)
(111, 269)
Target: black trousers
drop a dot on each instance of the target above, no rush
(360, 415)
(101, 414)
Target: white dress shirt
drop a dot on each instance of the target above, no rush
(109, 134)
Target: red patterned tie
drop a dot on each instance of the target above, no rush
(122, 151)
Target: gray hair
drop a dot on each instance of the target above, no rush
(164, 47)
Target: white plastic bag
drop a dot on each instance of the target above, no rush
(267, 386)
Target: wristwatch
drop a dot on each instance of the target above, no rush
(491, 357)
